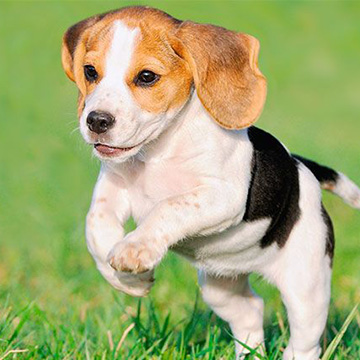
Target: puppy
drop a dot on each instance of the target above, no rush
(168, 107)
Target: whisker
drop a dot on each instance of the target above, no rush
(74, 130)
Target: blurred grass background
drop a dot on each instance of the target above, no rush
(310, 53)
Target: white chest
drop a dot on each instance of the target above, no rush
(155, 182)
(227, 253)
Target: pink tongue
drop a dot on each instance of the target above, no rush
(107, 149)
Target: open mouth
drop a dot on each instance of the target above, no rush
(110, 151)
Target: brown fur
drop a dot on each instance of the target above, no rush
(221, 63)
(154, 53)
(224, 65)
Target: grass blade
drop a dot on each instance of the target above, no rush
(334, 344)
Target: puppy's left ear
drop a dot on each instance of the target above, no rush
(71, 41)
(225, 70)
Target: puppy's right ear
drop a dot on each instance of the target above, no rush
(71, 40)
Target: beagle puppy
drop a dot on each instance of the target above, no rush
(168, 107)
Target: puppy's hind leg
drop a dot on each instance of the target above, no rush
(304, 284)
(234, 301)
(307, 307)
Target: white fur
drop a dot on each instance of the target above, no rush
(180, 185)
(187, 191)
(302, 273)
(133, 125)
(235, 302)
(347, 190)
(110, 208)
(233, 251)
(111, 94)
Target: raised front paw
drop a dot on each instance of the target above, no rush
(134, 256)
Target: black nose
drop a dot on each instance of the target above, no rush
(99, 121)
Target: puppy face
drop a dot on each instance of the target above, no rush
(131, 85)
(135, 68)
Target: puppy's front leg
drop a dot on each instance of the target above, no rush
(109, 210)
(207, 209)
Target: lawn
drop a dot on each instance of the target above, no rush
(53, 302)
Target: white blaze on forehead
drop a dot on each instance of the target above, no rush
(112, 94)
(118, 58)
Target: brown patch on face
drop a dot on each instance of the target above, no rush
(154, 53)
(221, 63)
(96, 44)
(87, 42)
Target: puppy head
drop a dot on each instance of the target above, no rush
(135, 69)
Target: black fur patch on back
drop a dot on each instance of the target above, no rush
(274, 187)
(330, 237)
(322, 173)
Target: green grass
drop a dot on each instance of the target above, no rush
(53, 302)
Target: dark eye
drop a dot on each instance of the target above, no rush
(146, 78)
(90, 73)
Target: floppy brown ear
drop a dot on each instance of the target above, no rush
(71, 40)
(225, 71)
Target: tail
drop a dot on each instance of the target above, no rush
(334, 181)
